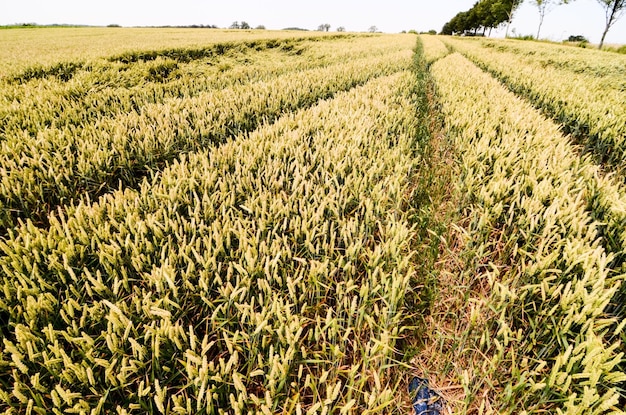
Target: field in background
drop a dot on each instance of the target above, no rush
(222, 222)
(25, 47)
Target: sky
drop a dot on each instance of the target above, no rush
(582, 17)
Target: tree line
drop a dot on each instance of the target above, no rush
(489, 14)
(485, 14)
(324, 27)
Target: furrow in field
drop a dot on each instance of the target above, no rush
(267, 275)
(536, 332)
(433, 48)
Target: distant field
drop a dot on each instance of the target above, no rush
(23, 47)
(198, 221)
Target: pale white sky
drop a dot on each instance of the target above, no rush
(584, 17)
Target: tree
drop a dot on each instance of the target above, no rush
(577, 39)
(323, 27)
(474, 18)
(341, 29)
(446, 29)
(544, 7)
(260, 27)
(242, 25)
(372, 29)
(505, 9)
(459, 22)
(613, 10)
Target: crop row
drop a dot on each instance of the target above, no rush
(605, 195)
(108, 89)
(266, 275)
(58, 165)
(606, 198)
(609, 66)
(545, 324)
(591, 107)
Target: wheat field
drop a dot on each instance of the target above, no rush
(197, 221)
